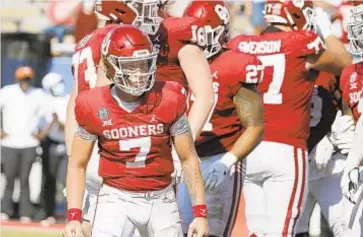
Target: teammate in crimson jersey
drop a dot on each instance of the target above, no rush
(330, 139)
(234, 127)
(178, 53)
(351, 83)
(177, 60)
(275, 187)
(134, 121)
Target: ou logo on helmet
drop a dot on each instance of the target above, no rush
(223, 13)
(106, 44)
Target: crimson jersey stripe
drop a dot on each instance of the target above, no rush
(303, 186)
(236, 196)
(291, 202)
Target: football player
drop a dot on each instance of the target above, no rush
(134, 121)
(351, 83)
(178, 57)
(329, 139)
(275, 186)
(235, 126)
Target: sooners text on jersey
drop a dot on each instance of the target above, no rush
(351, 83)
(324, 106)
(230, 70)
(87, 57)
(135, 147)
(286, 87)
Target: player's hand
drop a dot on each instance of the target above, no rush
(177, 175)
(341, 124)
(73, 229)
(215, 174)
(199, 228)
(344, 142)
(350, 184)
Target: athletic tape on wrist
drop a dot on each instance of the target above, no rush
(200, 211)
(74, 214)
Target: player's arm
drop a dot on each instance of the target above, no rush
(346, 109)
(184, 147)
(71, 123)
(82, 147)
(249, 107)
(335, 57)
(201, 84)
(76, 173)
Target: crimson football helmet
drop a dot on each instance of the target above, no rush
(298, 14)
(129, 59)
(145, 14)
(355, 30)
(213, 25)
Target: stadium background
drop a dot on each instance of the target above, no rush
(32, 34)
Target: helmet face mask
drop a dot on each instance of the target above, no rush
(134, 75)
(310, 15)
(355, 31)
(147, 11)
(297, 14)
(130, 59)
(140, 13)
(213, 26)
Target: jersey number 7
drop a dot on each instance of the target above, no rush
(278, 62)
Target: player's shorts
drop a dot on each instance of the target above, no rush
(223, 205)
(327, 192)
(93, 184)
(119, 213)
(275, 188)
(89, 206)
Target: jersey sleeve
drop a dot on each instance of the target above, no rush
(310, 43)
(241, 69)
(180, 125)
(84, 128)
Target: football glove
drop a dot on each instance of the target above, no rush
(215, 173)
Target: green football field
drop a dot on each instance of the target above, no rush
(20, 233)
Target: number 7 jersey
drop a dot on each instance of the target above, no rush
(286, 88)
(134, 144)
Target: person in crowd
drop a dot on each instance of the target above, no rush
(54, 151)
(21, 106)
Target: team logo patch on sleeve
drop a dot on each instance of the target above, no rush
(353, 81)
(103, 113)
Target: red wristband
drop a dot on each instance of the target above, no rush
(200, 211)
(74, 214)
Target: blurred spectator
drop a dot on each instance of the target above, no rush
(86, 21)
(54, 151)
(21, 106)
(254, 9)
(63, 15)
